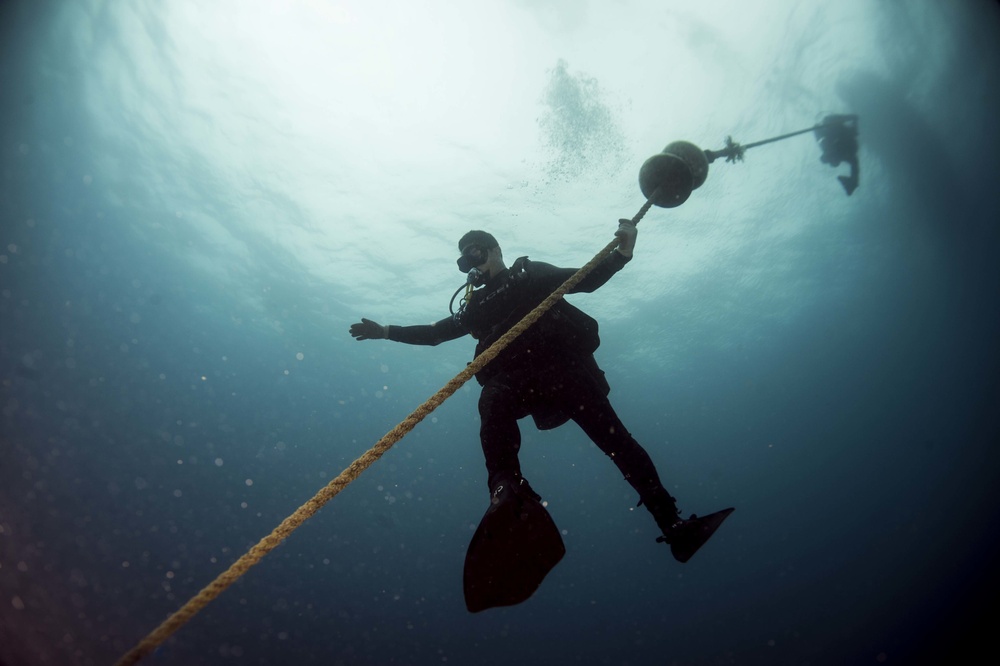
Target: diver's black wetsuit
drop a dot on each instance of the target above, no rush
(548, 372)
(838, 138)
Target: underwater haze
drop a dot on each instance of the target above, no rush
(197, 200)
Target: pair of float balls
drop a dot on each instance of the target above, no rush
(676, 172)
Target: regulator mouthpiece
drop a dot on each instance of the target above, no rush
(476, 277)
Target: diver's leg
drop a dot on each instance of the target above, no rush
(500, 406)
(850, 183)
(593, 412)
(685, 536)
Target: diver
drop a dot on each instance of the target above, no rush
(549, 373)
(838, 138)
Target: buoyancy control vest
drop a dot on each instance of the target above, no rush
(564, 333)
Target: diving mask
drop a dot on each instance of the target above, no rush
(472, 256)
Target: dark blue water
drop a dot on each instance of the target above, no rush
(177, 280)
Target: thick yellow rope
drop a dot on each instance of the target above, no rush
(332, 489)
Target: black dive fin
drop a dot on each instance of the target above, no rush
(691, 534)
(514, 548)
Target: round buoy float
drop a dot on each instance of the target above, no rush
(694, 157)
(668, 178)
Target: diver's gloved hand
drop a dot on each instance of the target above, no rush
(626, 233)
(369, 330)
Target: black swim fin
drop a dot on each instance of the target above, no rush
(687, 536)
(516, 545)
